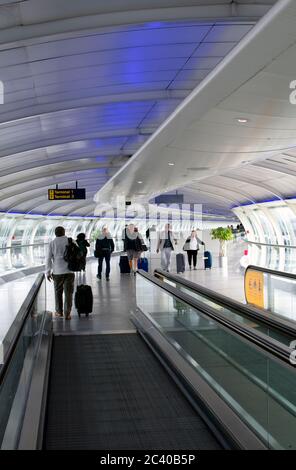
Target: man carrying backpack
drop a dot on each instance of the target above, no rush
(57, 268)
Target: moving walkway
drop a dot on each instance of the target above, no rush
(184, 381)
(265, 321)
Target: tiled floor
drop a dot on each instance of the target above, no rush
(114, 301)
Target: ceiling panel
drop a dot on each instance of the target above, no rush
(141, 71)
(223, 33)
(214, 49)
(238, 118)
(108, 41)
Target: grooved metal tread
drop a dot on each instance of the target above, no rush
(110, 392)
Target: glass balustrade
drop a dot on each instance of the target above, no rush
(258, 387)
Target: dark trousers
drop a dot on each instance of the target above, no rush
(83, 263)
(107, 257)
(63, 284)
(192, 254)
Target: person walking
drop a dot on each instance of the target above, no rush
(58, 271)
(192, 247)
(83, 245)
(165, 244)
(133, 246)
(104, 249)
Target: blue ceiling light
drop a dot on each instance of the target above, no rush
(155, 24)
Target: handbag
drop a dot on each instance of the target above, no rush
(186, 246)
(144, 247)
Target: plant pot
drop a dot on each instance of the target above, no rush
(223, 261)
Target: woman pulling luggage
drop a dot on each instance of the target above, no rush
(192, 247)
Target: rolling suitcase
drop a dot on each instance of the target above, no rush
(180, 262)
(208, 259)
(143, 264)
(124, 265)
(84, 299)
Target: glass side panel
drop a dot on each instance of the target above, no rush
(281, 295)
(236, 315)
(261, 390)
(14, 387)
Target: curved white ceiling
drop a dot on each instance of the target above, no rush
(87, 83)
(214, 155)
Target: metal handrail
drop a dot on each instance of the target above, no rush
(271, 271)
(269, 244)
(252, 312)
(23, 246)
(269, 345)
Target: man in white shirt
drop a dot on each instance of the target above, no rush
(165, 244)
(63, 278)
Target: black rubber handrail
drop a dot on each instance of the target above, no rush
(271, 271)
(21, 317)
(269, 345)
(270, 320)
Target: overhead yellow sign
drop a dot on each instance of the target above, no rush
(66, 194)
(254, 288)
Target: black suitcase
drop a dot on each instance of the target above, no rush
(208, 259)
(84, 299)
(124, 265)
(180, 262)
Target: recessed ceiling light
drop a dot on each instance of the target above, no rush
(242, 120)
(196, 168)
(171, 164)
(140, 182)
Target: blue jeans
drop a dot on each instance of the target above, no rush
(166, 254)
(107, 257)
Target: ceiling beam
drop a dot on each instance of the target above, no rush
(28, 111)
(214, 195)
(54, 172)
(274, 167)
(57, 161)
(57, 28)
(251, 182)
(234, 191)
(28, 186)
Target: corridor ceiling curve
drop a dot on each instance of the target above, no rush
(87, 83)
(232, 141)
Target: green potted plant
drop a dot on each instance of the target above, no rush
(95, 234)
(223, 234)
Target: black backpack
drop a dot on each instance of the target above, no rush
(73, 256)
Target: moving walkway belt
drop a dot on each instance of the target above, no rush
(110, 392)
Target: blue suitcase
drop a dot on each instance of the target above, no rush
(143, 264)
(208, 259)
